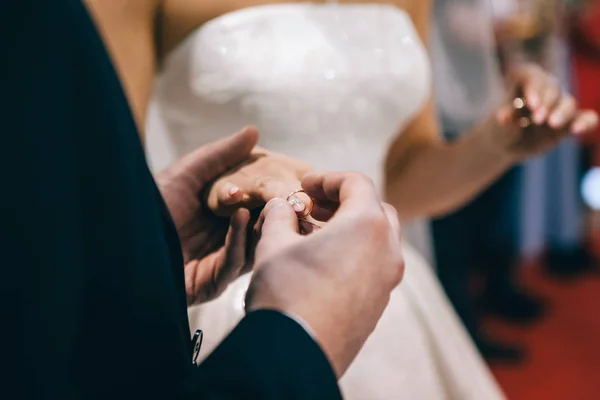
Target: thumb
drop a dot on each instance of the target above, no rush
(214, 159)
(278, 223)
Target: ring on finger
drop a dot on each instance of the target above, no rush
(294, 199)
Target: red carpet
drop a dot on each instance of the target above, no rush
(564, 347)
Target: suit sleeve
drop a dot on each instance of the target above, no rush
(267, 356)
(91, 284)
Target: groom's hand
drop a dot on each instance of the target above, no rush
(214, 248)
(338, 280)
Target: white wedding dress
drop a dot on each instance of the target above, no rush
(332, 85)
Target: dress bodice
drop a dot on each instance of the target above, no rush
(328, 83)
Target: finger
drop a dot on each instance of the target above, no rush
(586, 121)
(354, 192)
(209, 161)
(307, 226)
(228, 195)
(550, 98)
(323, 210)
(564, 113)
(253, 237)
(268, 189)
(531, 80)
(532, 91)
(395, 243)
(253, 193)
(278, 222)
(392, 216)
(235, 248)
(300, 202)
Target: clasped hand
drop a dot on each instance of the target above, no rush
(214, 248)
(338, 279)
(213, 220)
(554, 116)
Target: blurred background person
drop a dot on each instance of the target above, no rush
(531, 210)
(555, 242)
(552, 222)
(469, 83)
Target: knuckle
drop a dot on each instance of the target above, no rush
(357, 177)
(359, 180)
(381, 224)
(400, 235)
(388, 207)
(375, 223)
(274, 208)
(571, 101)
(390, 210)
(275, 204)
(398, 268)
(269, 187)
(262, 182)
(393, 218)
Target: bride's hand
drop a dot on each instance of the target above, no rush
(553, 115)
(264, 176)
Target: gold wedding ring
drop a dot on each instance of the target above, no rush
(293, 199)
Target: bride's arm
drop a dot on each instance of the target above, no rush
(428, 177)
(425, 175)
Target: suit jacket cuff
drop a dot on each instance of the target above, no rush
(270, 356)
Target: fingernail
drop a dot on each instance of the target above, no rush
(233, 190)
(276, 203)
(555, 120)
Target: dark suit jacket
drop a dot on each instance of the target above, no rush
(92, 286)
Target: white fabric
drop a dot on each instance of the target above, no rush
(468, 82)
(330, 84)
